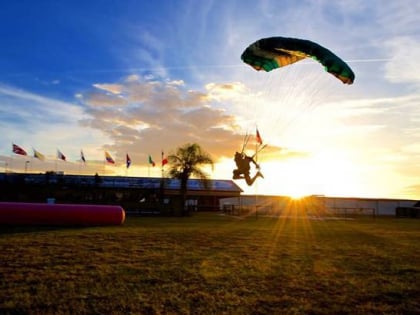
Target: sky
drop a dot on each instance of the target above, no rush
(142, 77)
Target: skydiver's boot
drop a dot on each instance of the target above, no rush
(260, 174)
(236, 174)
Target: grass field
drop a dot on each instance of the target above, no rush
(213, 264)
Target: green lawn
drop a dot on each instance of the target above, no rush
(213, 264)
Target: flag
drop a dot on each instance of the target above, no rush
(128, 161)
(18, 150)
(164, 160)
(258, 137)
(39, 155)
(60, 155)
(109, 158)
(82, 156)
(151, 160)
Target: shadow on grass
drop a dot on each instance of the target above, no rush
(16, 229)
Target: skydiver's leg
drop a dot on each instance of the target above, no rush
(250, 180)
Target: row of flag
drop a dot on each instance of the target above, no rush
(108, 158)
(19, 150)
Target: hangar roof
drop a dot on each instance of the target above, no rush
(125, 182)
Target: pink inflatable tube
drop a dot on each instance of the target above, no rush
(18, 213)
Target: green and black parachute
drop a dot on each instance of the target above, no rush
(275, 52)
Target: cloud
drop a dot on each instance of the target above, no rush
(404, 61)
(223, 91)
(47, 123)
(142, 116)
(22, 102)
(142, 49)
(275, 153)
(411, 190)
(100, 99)
(398, 18)
(30, 118)
(112, 88)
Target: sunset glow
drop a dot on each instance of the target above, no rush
(129, 79)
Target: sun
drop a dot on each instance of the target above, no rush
(297, 189)
(296, 195)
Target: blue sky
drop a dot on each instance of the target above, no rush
(139, 77)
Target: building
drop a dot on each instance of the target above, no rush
(134, 194)
(314, 205)
(153, 195)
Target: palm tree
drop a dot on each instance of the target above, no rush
(186, 162)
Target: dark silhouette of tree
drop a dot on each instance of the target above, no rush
(187, 162)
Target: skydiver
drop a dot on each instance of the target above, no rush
(243, 164)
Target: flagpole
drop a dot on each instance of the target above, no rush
(11, 158)
(82, 161)
(161, 165)
(150, 162)
(11, 162)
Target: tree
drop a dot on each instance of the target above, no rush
(187, 162)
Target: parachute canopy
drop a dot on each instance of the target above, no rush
(275, 52)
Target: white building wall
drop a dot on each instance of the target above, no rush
(380, 206)
(332, 205)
